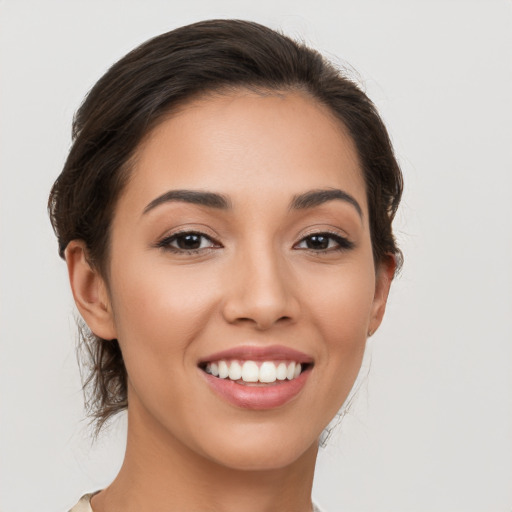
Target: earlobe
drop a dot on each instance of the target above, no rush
(89, 291)
(383, 279)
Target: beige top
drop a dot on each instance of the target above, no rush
(84, 505)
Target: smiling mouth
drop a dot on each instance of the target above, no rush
(255, 373)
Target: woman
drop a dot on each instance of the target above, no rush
(225, 214)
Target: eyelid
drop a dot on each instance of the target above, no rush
(197, 228)
(323, 228)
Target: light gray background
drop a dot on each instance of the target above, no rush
(431, 429)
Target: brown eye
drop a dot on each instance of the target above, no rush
(319, 242)
(187, 242)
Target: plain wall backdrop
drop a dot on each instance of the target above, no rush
(431, 428)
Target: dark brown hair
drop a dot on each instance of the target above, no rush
(151, 82)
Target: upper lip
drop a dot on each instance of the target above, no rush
(259, 353)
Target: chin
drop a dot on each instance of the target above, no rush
(250, 461)
(263, 452)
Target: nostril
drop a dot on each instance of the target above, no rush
(263, 297)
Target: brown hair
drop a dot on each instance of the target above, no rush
(152, 81)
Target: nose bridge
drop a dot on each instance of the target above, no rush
(261, 291)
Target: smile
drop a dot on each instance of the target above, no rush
(258, 378)
(254, 372)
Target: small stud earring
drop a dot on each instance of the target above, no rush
(370, 333)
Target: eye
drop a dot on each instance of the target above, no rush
(187, 242)
(322, 242)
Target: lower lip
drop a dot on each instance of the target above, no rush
(258, 397)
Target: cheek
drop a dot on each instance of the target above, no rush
(159, 310)
(158, 315)
(339, 309)
(340, 302)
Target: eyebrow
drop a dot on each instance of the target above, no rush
(303, 201)
(317, 197)
(209, 199)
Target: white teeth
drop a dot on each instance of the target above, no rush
(291, 371)
(235, 371)
(282, 371)
(223, 370)
(268, 372)
(249, 371)
(214, 369)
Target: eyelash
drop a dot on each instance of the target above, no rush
(166, 242)
(343, 244)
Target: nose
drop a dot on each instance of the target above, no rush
(261, 292)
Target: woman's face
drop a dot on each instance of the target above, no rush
(241, 244)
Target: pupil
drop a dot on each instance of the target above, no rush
(318, 242)
(189, 242)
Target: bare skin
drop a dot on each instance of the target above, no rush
(274, 263)
(201, 485)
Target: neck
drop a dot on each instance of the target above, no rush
(160, 473)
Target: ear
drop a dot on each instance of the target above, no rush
(89, 291)
(385, 272)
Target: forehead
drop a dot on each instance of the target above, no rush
(244, 143)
